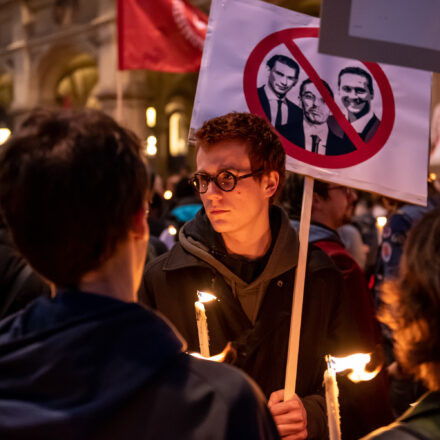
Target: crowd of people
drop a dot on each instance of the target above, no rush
(99, 275)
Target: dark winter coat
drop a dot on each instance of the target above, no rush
(85, 366)
(171, 283)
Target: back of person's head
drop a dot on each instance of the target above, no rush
(263, 145)
(412, 302)
(70, 184)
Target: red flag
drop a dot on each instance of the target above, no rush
(164, 35)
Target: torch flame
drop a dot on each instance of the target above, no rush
(356, 363)
(205, 297)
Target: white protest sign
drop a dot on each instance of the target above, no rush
(364, 125)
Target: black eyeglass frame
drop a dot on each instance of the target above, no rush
(210, 179)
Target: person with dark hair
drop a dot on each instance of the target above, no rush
(90, 362)
(241, 248)
(411, 308)
(356, 93)
(364, 405)
(318, 132)
(280, 111)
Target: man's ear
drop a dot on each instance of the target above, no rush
(271, 182)
(316, 202)
(139, 227)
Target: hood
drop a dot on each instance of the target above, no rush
(199, 239)
(71, 360)
(318, 232)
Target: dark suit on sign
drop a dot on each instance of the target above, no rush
(294, 115)
(346, 146)
(337, 142)
(370, 129)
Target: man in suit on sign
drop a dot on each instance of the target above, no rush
(318, 132)
(356, 92)
(281, 112)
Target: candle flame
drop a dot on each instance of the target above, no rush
(199, 306)
(205, 297)
(216, 358)
(381, 221)
(356, 363)
(228, 355)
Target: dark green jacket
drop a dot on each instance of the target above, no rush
(422, 421)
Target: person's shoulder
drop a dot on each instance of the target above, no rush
(227, 394)
(392, 432)
(294, 107)
(261, 92)
(172, 259)
(318, 260)
(227, 381)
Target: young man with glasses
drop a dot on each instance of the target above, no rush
(241, 249)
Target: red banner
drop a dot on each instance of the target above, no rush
(165, 35)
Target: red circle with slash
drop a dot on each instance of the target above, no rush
(364, 150)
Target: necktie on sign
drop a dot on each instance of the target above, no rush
(278, 118)
(315, 142)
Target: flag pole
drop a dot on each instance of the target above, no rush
(119, 98)
(298, 290)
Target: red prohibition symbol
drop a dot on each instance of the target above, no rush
(364, 150)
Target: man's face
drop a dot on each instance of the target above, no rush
(355, 95)
(239, 211)
(338, 208)
(314, 106)
(282, 78)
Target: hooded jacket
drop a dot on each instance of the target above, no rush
(85, 366)
(195, 263)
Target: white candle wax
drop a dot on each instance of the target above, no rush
(202, 328)
(331, 399)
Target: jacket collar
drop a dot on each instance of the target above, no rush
(429, 402)
(195, 253)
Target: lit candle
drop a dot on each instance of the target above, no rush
(331, 400)
(357, 364)
(202, 322)
(380, 224)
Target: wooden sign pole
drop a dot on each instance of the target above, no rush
(298, 290)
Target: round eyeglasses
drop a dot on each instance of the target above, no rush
(225, 180)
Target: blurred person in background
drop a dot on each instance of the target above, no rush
(401, 218)
(332, 207)
(411, 309)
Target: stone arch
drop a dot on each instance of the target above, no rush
(56, 63)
